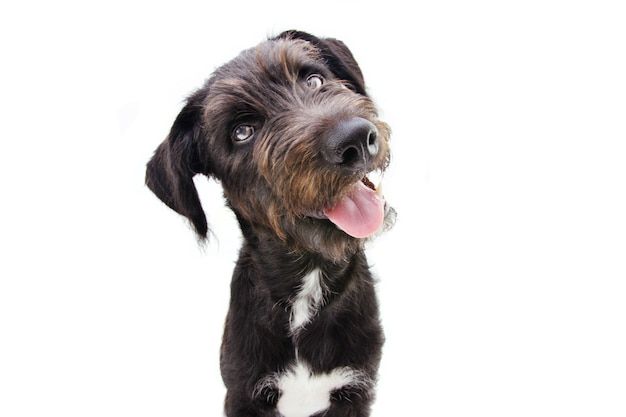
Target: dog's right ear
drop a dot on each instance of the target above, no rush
(182, 155)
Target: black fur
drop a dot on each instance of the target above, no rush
(273, 183)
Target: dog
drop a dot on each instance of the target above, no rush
(289, 130)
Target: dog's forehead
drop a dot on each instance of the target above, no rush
(281, 58)
(280, 61)
(262, 77)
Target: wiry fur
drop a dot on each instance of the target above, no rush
(277, 183)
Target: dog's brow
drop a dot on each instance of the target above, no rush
(309, 68)
(292, 57)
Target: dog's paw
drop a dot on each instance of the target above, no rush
(348, 393)
(268, 395)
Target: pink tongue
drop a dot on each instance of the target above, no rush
(359, 214)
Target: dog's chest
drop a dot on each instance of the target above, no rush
(307, 302)
(297, 389)
(302, 392)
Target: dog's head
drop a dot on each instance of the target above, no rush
(289, 131)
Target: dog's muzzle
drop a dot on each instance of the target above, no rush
(351, 146)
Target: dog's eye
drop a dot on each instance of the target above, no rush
(243, 133)
(314, 81)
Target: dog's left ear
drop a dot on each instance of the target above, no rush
(182, 155)
(336, 54)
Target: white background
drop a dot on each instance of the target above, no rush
(502, 285)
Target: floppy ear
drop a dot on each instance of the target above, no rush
(337, 55)
(171, 170)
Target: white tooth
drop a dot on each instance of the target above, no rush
(376, 177)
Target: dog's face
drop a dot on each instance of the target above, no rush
(291, 134)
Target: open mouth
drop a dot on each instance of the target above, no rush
(361, 212)
(368, 183)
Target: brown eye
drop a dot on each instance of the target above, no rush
(314, 81)
(243, 133)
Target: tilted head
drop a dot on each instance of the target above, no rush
(289, 131)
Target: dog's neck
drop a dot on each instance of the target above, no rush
(305, 242)
(273, 254)
(282, 268)
(301, 283)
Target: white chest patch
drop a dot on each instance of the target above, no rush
(307, 302)
(304, 394)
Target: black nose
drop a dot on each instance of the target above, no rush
(351, 143)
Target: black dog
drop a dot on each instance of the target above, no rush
(288, 129)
